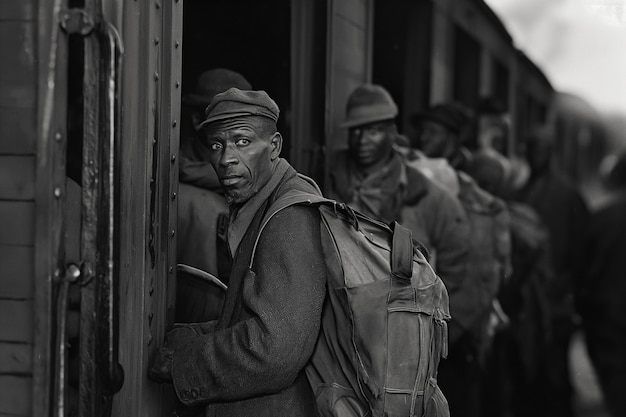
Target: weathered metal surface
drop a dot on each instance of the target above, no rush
(16, 223)
(17, 177)
(17, 267)
(15, 395)
(19, 133)
(16, 318)
(16, 358)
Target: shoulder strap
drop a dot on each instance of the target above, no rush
(402, 242)
(288, 199)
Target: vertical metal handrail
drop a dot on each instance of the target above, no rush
(111, 136)
(100, 374)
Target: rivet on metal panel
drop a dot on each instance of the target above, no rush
(57, 192)
(177, 84)
(174, 123)
(173, 232)
(176, 44)
(156, 76)
(173, 196)
(157, 4)
(173, 157)
(90, 162)
(58, 136)
(156, 41)
(171, 269)
(151, 290)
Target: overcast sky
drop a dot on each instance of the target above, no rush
(579, 44)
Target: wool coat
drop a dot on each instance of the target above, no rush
(250, 362)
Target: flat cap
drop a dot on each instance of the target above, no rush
(239, 103)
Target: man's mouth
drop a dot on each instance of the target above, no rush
(230, 180)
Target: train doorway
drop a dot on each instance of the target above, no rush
(279, 47)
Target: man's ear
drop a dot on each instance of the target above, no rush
(277, 145)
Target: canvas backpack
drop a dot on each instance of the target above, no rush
(384, 324)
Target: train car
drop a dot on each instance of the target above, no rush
(88, 196)
(91, 107)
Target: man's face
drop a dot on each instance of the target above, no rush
(243, 152)
(436, 140)
(372, 143)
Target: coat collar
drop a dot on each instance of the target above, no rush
(241, 216)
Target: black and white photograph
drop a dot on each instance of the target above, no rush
(313, 208)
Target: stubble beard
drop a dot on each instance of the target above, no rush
(240, 196)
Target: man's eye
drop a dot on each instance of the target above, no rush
(243, 142)
(373, 130)
(214, 146)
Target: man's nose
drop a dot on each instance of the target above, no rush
(363, 135)
(229, 156)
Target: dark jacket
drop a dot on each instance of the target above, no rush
(202, 209)
(564, 212)
(250, 363)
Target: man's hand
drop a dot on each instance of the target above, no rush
(161, 369)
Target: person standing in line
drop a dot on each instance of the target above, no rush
(442, 130)
(602, 293)
(564, 212)
(374, 178)
(251, 360)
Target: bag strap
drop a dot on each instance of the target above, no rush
(402, 240)
(289, 199)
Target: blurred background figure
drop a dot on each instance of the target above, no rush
(513, 367)
(202, 209)
(375, 179)
(602, 295)
(444, 130)
(492, 126)
(564, 212)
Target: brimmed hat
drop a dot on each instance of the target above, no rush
(447, 114)
(212, 82)
(369, 103)
(239, 103)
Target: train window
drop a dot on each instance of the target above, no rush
(501, 84)
(402, 46)
(466, 68)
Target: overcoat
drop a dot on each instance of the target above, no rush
(250, 361)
